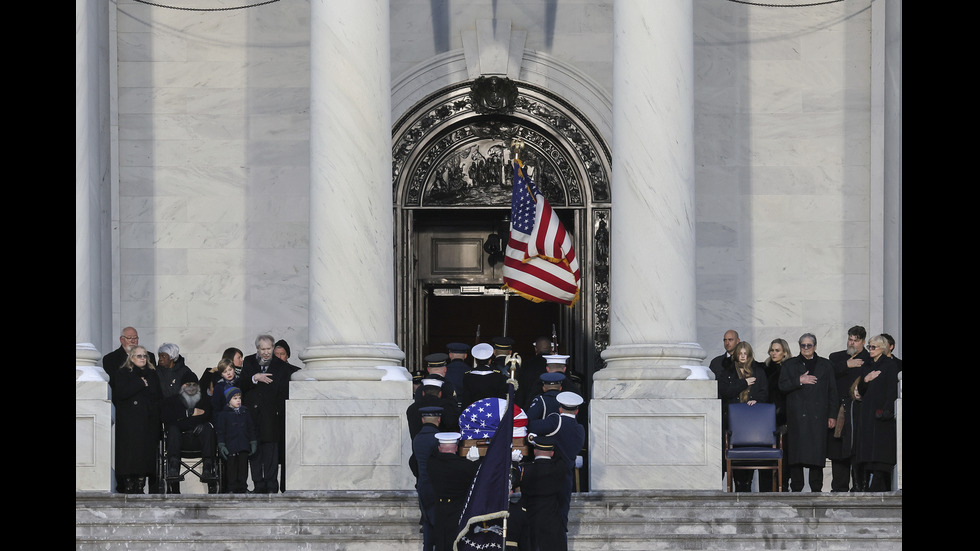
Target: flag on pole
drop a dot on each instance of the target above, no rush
(540, 263)
(482, 526)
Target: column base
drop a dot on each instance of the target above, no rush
(349, 434)
(349, 362)
(93, 430)
(656, 444)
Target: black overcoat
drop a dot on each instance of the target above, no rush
(808, 407)
(138, 428)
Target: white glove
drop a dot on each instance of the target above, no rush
(578, 462)
(473, 454)
(516, 456)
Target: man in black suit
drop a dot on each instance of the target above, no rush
(265, 389)
(724, 361)
(128, 338)
(847, 368)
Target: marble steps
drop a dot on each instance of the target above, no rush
(387, 521)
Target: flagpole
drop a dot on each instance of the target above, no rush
(506, 307)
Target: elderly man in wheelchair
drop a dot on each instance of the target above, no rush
(188, 432)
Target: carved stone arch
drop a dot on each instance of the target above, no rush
(564, 121)
(444, 147)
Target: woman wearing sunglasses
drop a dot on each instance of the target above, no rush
(136, 395)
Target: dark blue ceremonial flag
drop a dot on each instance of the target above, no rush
(481, 527)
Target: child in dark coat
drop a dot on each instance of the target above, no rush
(237, 440)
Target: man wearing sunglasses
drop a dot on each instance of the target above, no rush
(811, 412)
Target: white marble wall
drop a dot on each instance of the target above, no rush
(213, 163)
(213, 177)
(782, 102)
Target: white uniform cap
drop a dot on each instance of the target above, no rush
(556, 359)
(569, 400)
(482, 351)
(432, 382)
(448, 437)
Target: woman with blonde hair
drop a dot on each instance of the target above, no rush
(876, 435)
(744, 383)
(779, 352)
(136, 394)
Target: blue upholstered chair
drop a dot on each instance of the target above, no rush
(752, 442)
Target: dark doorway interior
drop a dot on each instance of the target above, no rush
(455, 319)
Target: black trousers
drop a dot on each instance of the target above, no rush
(264, 466)
(796, 478)
(236, 471)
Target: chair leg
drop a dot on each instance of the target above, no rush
(728, 473)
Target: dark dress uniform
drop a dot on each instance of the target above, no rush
(451, 477)
(542, 481)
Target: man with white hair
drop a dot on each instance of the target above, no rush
(172, 370)
(265, 389)
(188, 414)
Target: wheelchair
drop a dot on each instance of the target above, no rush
(191, 460)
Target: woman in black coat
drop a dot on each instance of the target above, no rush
(876, 434)
(136, 395)
(744, 383)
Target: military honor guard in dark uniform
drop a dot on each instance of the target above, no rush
(542, 483)
(457, 367)
(569, 438)
(546, 402)
(424, 445)
(431, 396)
(502, 347)
(451, 477)
(483, 381)
(435, 367)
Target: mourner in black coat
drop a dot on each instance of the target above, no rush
(848, 366)
(136, 395)
(265, 388)
(811, 411)
(876, 426)
(112, 361)
(187, 420)
(236, 437)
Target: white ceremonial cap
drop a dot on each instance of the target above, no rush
(569, 400)
(482, 351)
(432, 382)
(556, 359)
(448, 437)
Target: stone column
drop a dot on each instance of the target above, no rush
(346, 426)
(93, 408)
(651, 428)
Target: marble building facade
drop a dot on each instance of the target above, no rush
(237, 173)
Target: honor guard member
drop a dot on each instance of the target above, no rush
(435, 368)
(457, 367)
(558, 363)
(502, 347)
(431, 396)
(424, 444)
(542, 480)
(451, 476)
(530, 370)
(569, 438)
(547, 401)
(483, 381)
(416, 383)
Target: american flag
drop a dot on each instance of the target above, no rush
(482, 526)
(480, 419)
(540, 262)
